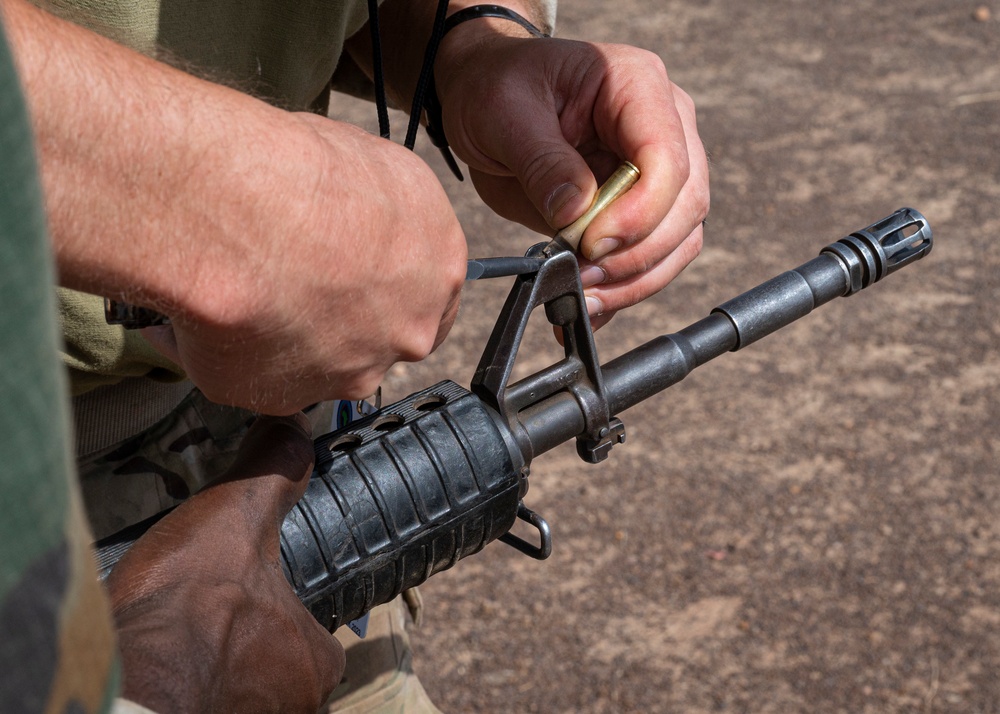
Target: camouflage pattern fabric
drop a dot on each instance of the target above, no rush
(176, 457)
(57, 649)
(160, 467)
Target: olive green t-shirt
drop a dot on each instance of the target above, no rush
(283, 51)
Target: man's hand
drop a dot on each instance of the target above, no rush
(351, 259)
(206, 619)
(541, 122)
(297, 257)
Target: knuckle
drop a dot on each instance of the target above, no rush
(681, 160)
(637, 262)
(624, 297)
(683, 99)
(422, 347)
(419, 341)
(456, 269)
(656, 62)
(626, 264)
(649, 60)
(446, 323)
(541, 164)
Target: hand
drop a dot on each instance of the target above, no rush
(206, 619)
(541, 122)
(297, 257)
(352, 260)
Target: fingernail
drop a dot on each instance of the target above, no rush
(594, 306)
(603, 247)
(592, 275)
(558, 200)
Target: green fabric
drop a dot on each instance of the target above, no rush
(133, 24)
(283, 51)
(33, 421)
(95, 350)
(56, 643)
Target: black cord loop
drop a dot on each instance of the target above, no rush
(425, 95)
(432, 105)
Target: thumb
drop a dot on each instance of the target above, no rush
(271, 470)
(554, 176)
(531, 145)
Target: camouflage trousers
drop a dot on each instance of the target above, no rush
(161, 466)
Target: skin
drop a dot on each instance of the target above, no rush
(598, 106)
(244, 229)
(541, 123)
(203, 633)
(255, 332)
(246, 233)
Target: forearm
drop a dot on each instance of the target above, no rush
(247, 225)
(133, 154)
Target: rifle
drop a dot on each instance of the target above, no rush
(422, 483)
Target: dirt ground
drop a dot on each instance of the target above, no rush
(808, 525)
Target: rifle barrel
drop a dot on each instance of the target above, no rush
(842, 268)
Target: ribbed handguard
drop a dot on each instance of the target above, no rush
(397, 497)
(394, 498)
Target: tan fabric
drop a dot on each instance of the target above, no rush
(158, 468)
(124, 706)
(379, 678)
(113, 413)
(86, 633)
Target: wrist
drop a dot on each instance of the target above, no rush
(470, 25)
(468, 30)
(540, 14)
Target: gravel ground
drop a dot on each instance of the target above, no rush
(808, 525)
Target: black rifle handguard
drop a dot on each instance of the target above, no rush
(408, 492)
(412, 489)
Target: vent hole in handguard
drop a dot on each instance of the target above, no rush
(345, 443)
(429, 403)
(389, 422)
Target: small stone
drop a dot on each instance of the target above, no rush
(982, 14)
